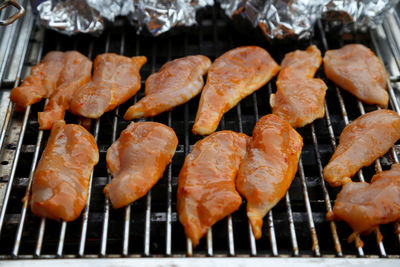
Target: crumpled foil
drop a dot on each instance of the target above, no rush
(160, 16)
(68, 16)
(110, 9)
(357, 14)
(85, 16)
(280, 19)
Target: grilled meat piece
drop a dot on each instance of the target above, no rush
(268, 168)
(206, 183)
(362, 141)
(356, 69)
(176, 83)
(137, 160)
(115, 79)
(231, 77)
(61, 181)
(76, 72)
(299, 98)
(364, 206)
(41, 82)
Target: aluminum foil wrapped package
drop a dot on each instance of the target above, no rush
(282, 19)
(68, 16)
(356, 14)
(86, 16)
(160, 16)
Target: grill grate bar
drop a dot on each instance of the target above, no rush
(168, 222)
(314, 237)
(335, 236)
(85, 214)
(106, 213)
(148, 196)
(60, 247)
(270, 218)
(252, 240)
(127, 212)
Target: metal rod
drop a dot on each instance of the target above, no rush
(106, 213)
(127, 214)
(270, 220)
(61, 240)
(168, 222)
(328, 205)
(252, 240)
(85, 213)
(189, 245)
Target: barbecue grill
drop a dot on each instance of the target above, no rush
(147, 231)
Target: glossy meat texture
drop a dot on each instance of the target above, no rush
(137, 160)
(356, 69)
(76, 72)
(41, 82)
(299, 98)
(206, 183)
(364, 206)
(269, 167)
(61, 180)
(115, 79)
(176, 83)
(362, 141)
(231, 77)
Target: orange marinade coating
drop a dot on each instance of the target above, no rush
(176, 83)
(41, 82)
(206, 183)
(115, 79)
(355, 68)
(76, 72)
(269, 167)
(362, 141)
(364, 206)
(61, 180)
(231, 77)
(137, 160)
(299, 98)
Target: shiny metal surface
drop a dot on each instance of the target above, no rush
(11, 3)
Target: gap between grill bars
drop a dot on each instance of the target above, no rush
(150, 227)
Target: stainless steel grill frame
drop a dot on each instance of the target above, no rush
(296, 227)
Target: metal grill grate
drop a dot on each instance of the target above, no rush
(149, 227)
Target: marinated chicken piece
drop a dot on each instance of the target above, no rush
(356, 69)
(299, 98)
(362, 141)
(364, 206)
(41, 82)
(269, 167)
(176, 83)
(137, 160)
(233, 76)
(76, 72)
(115, 79)
(206, 183)
(61, 181)
(305, 63)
